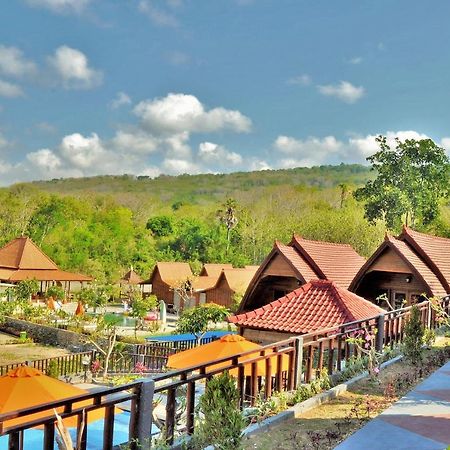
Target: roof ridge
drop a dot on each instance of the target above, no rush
(298, 238)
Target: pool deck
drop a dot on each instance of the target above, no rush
(418, 421)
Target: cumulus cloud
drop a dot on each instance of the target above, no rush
(344, 91)
(82, 152)
(185, 113)
(211, 153)
(302, 80)
(121, 99)
(315, 151)
(14, 64)
(10, 90)
(61, 6)
(157, 15)
(135, 141)
(44, 159)
(72, 67)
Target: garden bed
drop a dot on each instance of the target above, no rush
(330, 423)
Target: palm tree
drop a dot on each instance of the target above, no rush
(227, 215)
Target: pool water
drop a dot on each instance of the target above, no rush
(119, 320)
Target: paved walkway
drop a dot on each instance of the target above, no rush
(418, 421)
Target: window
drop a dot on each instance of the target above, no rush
(399, 299)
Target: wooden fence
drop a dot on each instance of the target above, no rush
(281, 366)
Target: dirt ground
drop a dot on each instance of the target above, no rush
(16, 353)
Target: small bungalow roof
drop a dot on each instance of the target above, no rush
(317, 305)
(237, 279)
(214, 270)
(171, 273)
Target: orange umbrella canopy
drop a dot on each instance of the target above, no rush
(228, 345)
(25, 387)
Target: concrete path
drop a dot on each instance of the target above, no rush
(418, 421)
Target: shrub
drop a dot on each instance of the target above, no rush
(414, 331)
(429, 337)
(52, 369)
(222, 422)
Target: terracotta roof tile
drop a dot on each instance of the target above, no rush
(319, 304)
(437, 249)
(420, 266)
(337, 262)
(297, 261)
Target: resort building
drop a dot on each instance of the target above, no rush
(289, 266)
(214, 270)
(317, 305)
(21, 259)
(405, 269)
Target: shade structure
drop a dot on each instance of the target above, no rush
(25, 387)
(228, 345)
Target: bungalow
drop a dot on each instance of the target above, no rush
(404, 269)
(165, 277)
(229, 283)
(289, 266)
(317, 305)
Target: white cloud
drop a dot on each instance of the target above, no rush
(179, 166)
(121, 99)
(82, 152)
(44, 159)
(344, 91)
(315, 151)
(72, 67)
(303, 80)
(210, 153)
(135, 141)
(10, 89)
(157, 15)
(356, 60)
(61, 6)
(258, 164)
(180, 112)
(14, 64)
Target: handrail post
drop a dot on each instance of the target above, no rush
(298, 362)
(144, 413)
(380, 333)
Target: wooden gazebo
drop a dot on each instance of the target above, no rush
(21, 259)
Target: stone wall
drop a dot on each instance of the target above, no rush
(46, 335)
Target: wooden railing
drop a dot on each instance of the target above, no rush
(281, 366)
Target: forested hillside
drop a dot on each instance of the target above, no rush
(102, 225)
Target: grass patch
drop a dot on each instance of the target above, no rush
(18, 353)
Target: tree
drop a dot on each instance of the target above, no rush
(227, 215)
(198, 319)
(411, 180)
(140, 306)
(160, 225)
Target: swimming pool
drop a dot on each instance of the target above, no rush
(188, 336)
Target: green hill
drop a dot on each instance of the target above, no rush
(98, 225)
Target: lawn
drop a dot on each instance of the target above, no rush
(324, 427)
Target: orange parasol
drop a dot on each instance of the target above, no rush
(25, 387)
(80, 309)
(228, 345)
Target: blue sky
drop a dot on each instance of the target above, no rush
(191, 86)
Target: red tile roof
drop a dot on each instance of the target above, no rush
(319, 304)
(331, 261)
(297, 261)
(434, 250)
